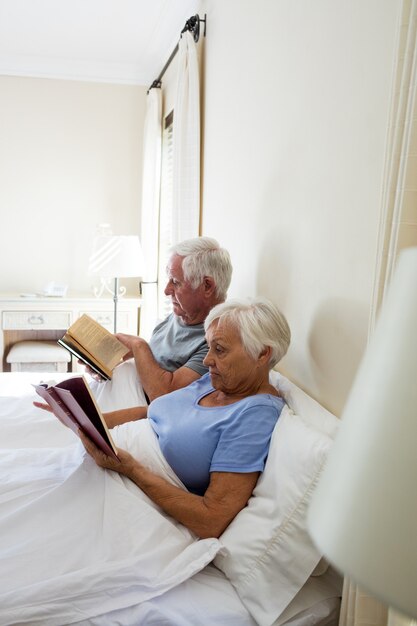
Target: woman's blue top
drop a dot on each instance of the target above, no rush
(197, 440)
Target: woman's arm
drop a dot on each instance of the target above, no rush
(206, 516)
(121, 416)
(112, 418)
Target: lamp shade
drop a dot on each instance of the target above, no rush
(363, 515)
(116, 256)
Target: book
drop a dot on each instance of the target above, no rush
(74, 405)
(93, 344)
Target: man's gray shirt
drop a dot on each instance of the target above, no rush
(174, 344)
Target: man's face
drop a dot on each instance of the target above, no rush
(187, 303)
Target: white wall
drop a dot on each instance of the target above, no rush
(70, 158)
(296, 109)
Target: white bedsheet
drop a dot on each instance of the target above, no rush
(77, 541)
(203, 598)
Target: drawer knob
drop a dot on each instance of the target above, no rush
(35, 320)
(104, 320)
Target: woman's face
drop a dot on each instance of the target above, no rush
(231, 369)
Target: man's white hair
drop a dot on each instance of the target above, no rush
(204, 257)
(259, 323)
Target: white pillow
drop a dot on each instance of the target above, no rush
(268, 554)
(304, 405)
(313, 414)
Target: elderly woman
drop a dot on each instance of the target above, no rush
(77, 541)
(215, 433)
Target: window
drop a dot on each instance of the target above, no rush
(165, 212)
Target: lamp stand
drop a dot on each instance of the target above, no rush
(104, 285)
(115, 299)
(117, 292)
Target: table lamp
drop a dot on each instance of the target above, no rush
(363, 515)
(114, 257)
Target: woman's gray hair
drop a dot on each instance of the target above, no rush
(260, 324)
(204, 257)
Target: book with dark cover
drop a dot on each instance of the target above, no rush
(74, 405)
(93, 344)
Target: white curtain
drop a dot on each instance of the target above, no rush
(397, 230)
(186, 134)
(150, 210)
(360, 609)
(399, 180)
(397, 619)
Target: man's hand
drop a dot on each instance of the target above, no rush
(131, 342)
(91, 372)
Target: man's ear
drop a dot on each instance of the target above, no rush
(209, 285)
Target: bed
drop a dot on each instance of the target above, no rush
(263, 570)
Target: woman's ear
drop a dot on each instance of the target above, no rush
(265, 355)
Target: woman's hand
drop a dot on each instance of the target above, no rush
(123, 465)
(41, 405)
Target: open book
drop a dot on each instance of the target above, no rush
(94, 345)
(73, 404)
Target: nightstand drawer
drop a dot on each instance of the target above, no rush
(37, 320)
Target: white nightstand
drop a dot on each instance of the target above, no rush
(45, 318)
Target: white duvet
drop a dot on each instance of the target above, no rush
(77, 541)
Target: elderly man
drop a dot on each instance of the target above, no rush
(199, 274)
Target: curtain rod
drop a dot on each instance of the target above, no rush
(192, 25)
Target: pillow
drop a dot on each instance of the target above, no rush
(303, 405)
(313, 414)
(267, 552)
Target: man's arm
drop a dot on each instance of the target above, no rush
(155, 380)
